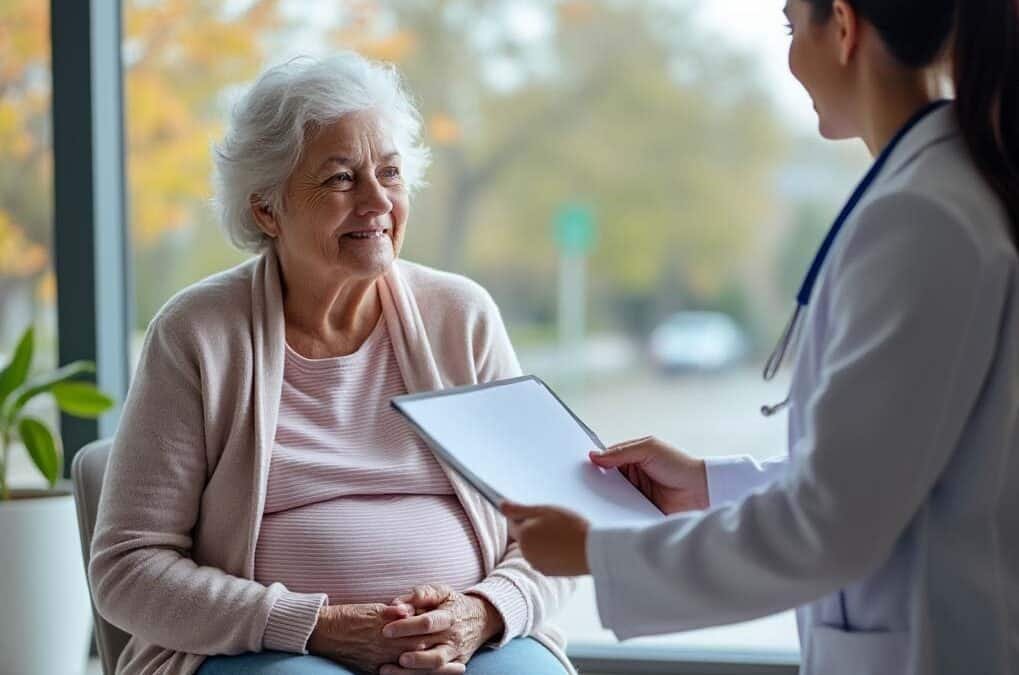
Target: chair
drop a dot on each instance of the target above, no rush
(87, 472)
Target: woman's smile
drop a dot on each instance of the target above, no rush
(366, 234)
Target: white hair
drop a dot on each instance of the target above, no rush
(271, 122)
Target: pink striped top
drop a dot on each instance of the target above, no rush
(357, 507)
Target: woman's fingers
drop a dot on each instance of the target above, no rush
(420, 643)
(630, 452)
(431, 659)
(454, 668)
(424, 624)
(426, 596)
(397, 611)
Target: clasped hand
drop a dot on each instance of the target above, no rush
(432, 629)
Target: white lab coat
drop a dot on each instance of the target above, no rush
(894, 525)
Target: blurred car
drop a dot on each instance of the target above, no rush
(698, 341)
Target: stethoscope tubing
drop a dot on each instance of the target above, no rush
(778, 354)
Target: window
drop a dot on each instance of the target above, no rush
(648, 161)
(180, 60)
(27, 284)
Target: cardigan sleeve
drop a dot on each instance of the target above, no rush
(143, 577)
(524, 597)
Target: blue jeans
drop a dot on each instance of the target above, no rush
(523, 655)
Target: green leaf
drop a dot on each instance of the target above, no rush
(43, 383)
(81, 399)
(13, 376)
(41, 448)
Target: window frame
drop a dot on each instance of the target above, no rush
(89, 237)
(627, 659)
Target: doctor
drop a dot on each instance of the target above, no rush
(894, 522)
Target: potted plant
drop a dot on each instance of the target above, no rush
(47, 619)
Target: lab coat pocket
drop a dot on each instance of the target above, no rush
(833, 651)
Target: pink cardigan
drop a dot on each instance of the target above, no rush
(174, 548)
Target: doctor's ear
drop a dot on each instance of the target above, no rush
(846, 23)
(264, 216)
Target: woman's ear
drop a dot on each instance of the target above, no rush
(264, 216)
(847, 27)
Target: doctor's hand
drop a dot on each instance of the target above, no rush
(671, 479)
(553, 540)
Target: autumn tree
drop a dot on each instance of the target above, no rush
(25, 161)
(622, 105)
(178, 58)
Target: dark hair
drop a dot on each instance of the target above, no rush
(984, 39)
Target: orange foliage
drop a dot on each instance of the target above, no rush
(179, 57)
(46, 290)
(181, 54)
(576, 11)
(19, 256)
(443, 129)
(24, 31)
(394, 47)
(24, 104)
(359, 30)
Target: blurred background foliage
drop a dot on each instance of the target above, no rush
(704, 196)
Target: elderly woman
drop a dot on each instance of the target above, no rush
(262, 500)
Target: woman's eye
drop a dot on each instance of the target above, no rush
(390, 173)
(343, 179)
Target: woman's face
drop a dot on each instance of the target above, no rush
(818, 58)
(345, 204)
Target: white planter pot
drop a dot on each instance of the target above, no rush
(46, 619)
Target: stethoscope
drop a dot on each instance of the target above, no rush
(774, 362)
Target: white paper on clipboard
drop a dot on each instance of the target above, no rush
(514, 439)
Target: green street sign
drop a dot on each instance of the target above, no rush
(574, 227)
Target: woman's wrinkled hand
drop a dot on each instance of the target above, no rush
(671, 479)
(453, 625)
(553, 540)
(351, 635)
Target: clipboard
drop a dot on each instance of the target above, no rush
(517, 440)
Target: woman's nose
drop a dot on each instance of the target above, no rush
(374, 201)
